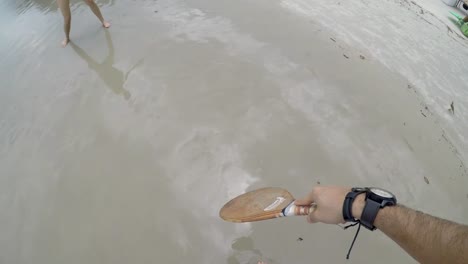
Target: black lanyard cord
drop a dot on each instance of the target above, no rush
(355, 236)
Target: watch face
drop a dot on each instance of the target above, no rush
(382, 193)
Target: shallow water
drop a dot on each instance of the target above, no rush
(122, 147)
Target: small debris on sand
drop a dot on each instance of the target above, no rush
(426, 179)
(422, 113)
(404, 123)
(299, 239)
(346, 56)
(362, 57)
(155, 11)
(452, 108)
(332, 39)
(318, 182)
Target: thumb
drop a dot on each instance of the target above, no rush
(303, 201)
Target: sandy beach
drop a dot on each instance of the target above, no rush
(123, 146)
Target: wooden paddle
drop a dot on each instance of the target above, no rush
(262, 204)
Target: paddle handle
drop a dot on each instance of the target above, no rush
(293, 209)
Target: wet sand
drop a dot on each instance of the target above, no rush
(122, 147)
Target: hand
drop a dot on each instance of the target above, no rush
(329, 201)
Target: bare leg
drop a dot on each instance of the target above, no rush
(97, 12)
(65, 8)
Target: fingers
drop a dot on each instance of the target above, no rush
(311, 218)
(307, 200)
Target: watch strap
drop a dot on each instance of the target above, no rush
(348, 204)
(369, 213)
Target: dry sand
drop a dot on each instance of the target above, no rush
(122, 147)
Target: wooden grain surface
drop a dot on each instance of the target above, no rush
(260, 204)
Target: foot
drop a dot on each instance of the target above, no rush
(106, 24)
(65, 42)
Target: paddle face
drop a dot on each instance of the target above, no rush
(257, 205)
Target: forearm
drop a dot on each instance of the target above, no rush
(426, 238)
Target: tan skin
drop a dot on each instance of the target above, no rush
(447, 242)
(64, 6)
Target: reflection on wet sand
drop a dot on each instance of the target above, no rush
(112, 77)
(44, 5)
(50, 5)
(244, 249)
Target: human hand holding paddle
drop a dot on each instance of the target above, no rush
(329, 204)
(322, 204)
(407, 227)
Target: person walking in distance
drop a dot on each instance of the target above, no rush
(64, 6)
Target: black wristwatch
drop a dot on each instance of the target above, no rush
(376, 199)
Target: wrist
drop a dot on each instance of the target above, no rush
(358, 205)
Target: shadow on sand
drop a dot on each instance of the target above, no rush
(111, 76)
